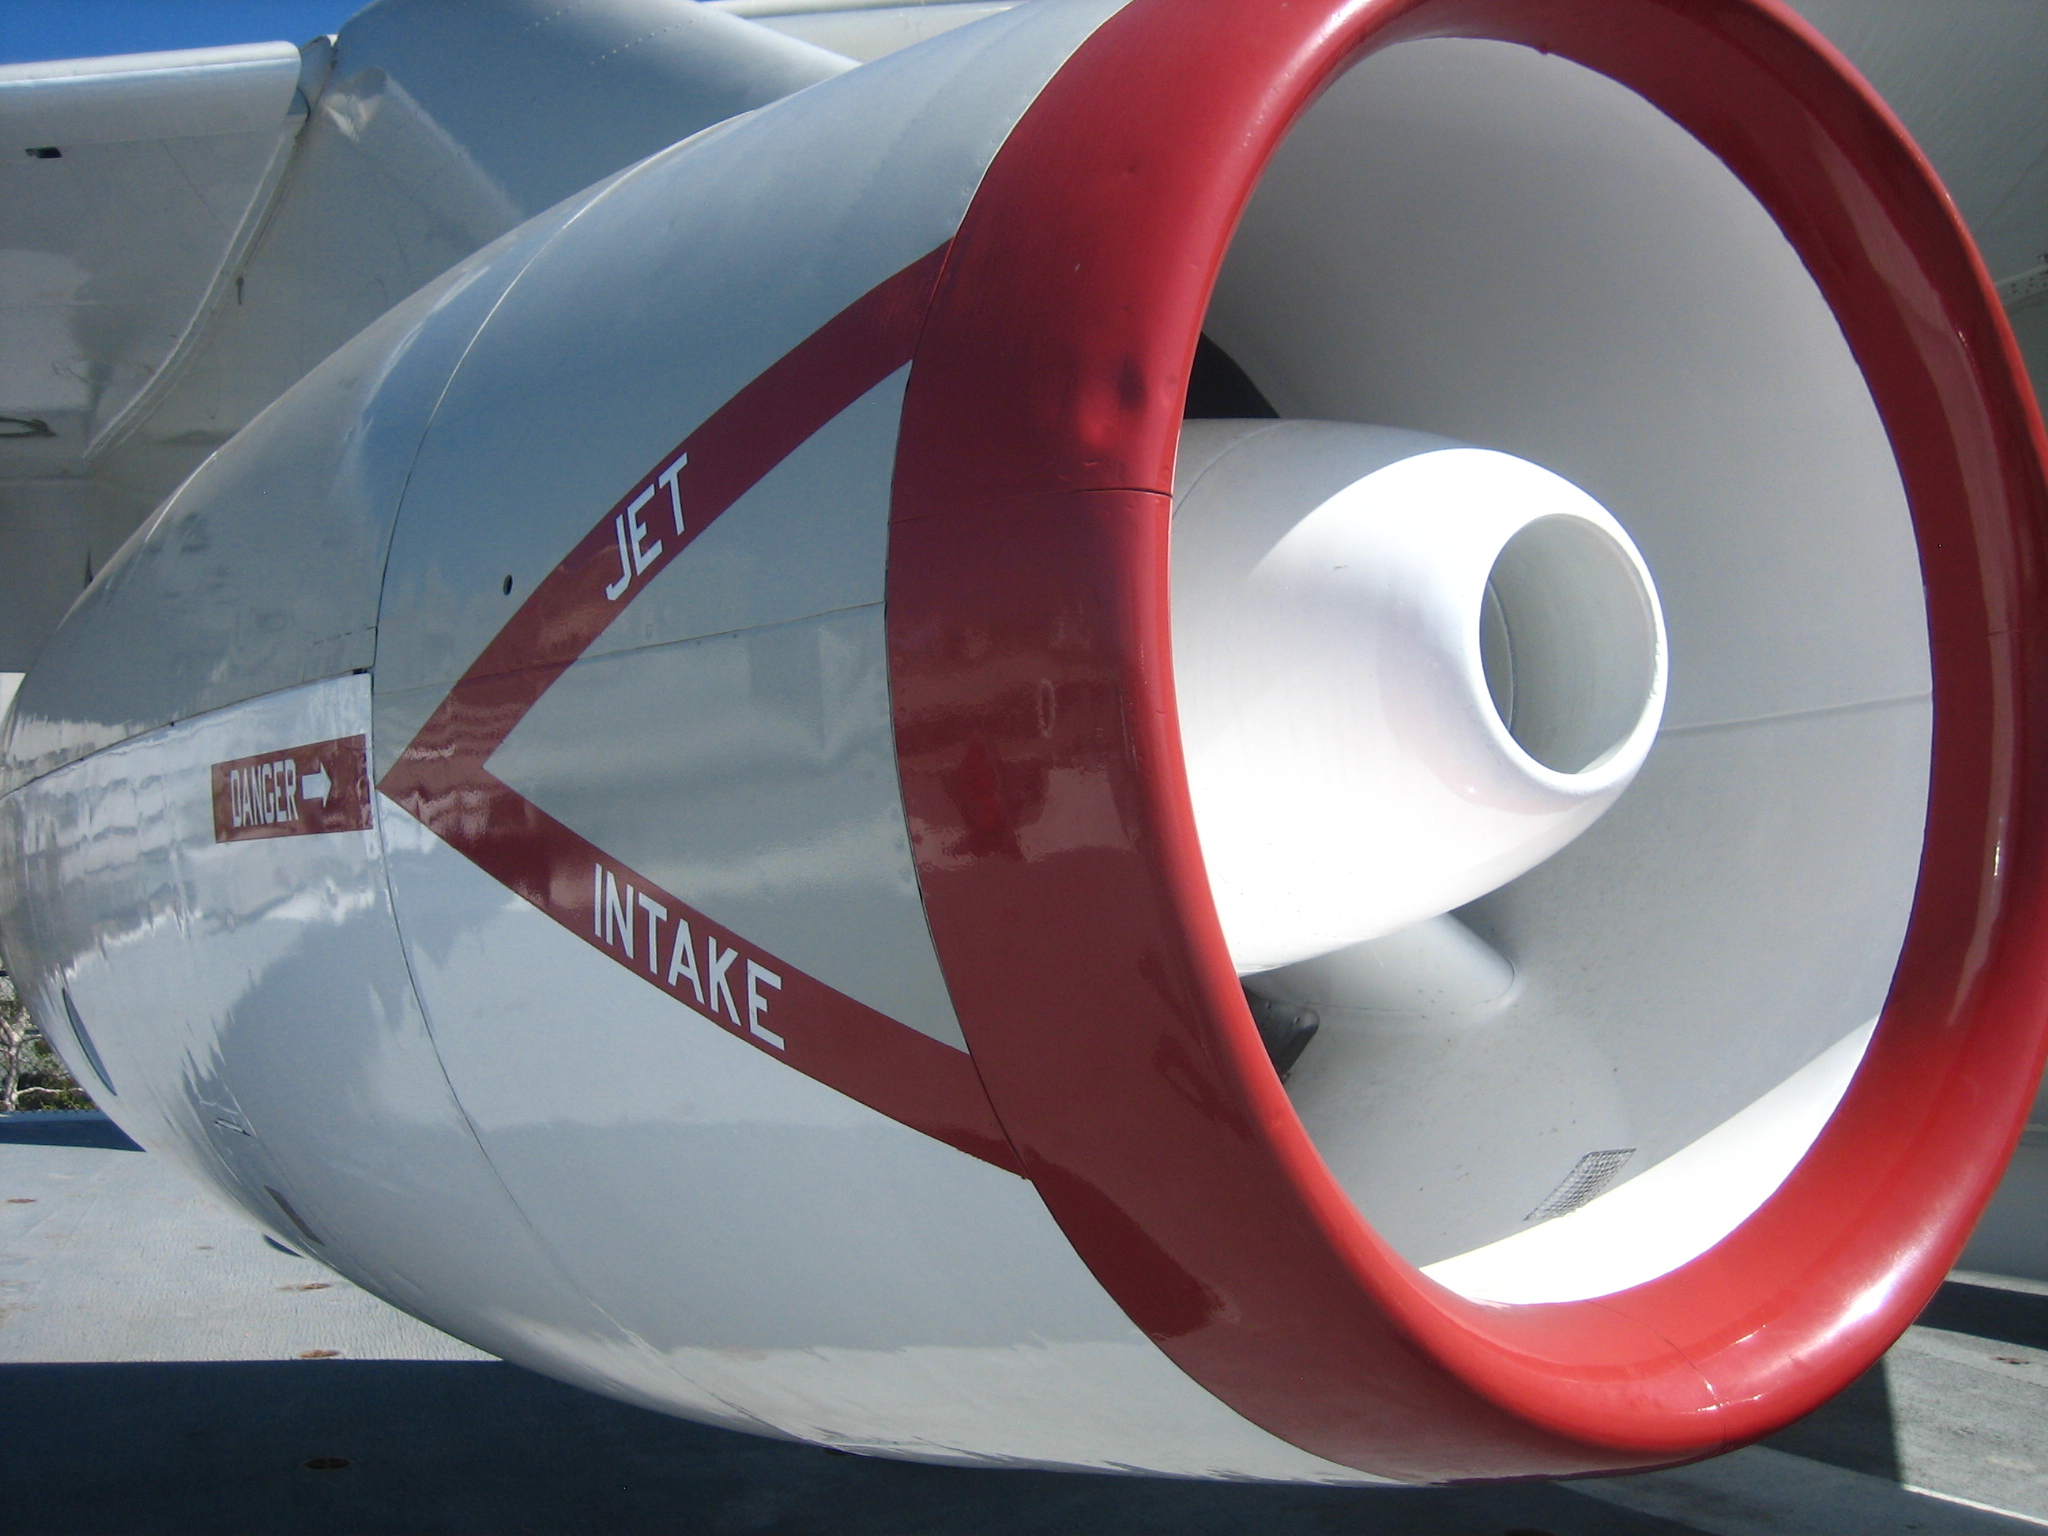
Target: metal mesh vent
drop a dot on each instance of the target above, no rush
(1589, 1176)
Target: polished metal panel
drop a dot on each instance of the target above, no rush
(443, 126)
(746, 695)
(113, 244)
(144, 97)
(56, 532)
(252, 1003)
(684, 280)
(614, 80)
(263, 571)
(132, 186)
(753, 776)
(816, 1269)
(755, 773)
(440, 128)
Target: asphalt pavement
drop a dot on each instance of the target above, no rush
(164, 1368)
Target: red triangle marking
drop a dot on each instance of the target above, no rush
(442, 780)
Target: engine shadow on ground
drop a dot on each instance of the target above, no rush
(380, 1448)
(392, 1447)
(385, 1448)
(65, 1128)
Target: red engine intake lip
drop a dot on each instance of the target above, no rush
(1042, 770)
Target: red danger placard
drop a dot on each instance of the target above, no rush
(321, 787)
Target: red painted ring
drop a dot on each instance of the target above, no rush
(1057, 849)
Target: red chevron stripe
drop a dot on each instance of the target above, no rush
(442, 780)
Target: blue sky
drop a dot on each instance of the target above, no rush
(69, 29)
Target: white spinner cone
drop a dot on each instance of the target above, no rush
(1408, 671)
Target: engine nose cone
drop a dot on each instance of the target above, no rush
(1407, 670)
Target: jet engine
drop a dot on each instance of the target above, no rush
(1247, 739)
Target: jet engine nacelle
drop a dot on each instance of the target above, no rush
(687, 809)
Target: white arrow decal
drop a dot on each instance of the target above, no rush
(314, 785)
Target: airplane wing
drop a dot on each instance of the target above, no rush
(134, 188)
(189, 233)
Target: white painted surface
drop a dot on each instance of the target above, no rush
(1437, 966)
(1644, 1004)
(253, 1009)
(437, 129)
(804, 1263)
(1652, 338)
(1407, 672)
(187, 146)
(263, 571)
(1477, 241)
(570, 396)
(1672, 1213)
(186, 93)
